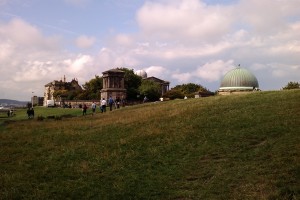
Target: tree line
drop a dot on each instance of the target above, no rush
(136, 88)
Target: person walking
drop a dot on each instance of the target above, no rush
(145, 99)
(84, 108)
(32, 113)
(29, 113)
(110, 103)
(123, 101)
(93, 108)
(103, 105)
(118, 101)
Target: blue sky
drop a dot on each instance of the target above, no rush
(180, 41)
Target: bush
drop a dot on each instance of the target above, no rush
(57, 117)
(40, 118)
(150, 89)
(292, 85)
(174, 94)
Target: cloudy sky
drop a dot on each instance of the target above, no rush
(181, 41)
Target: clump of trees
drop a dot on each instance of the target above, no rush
(132, 83)
(292, 85)
(66, 94)
(136, 89)
(91, 89)
(150, 89)
(189, 90)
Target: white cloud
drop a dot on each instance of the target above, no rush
(109, 58)
(21, 34)
(268, 16)
(214, 71)
(123, 40)
(182, 77)
(80, 63)
(85, 42)
(156, 71)
(32, 71)
(31, 60)
(184, 20)
(280, 70)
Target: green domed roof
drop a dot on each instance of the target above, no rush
(239, 79)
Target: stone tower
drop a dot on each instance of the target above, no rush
(113, 84)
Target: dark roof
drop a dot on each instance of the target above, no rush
(114, 71)
(156, 80)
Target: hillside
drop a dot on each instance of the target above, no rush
(222, 147)
(10, 102)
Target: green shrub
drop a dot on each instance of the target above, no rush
(57, 117)
(40, 118)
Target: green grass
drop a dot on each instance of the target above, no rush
(222, 147)
(21, 114)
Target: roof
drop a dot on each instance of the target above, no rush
(141, 73)
(157, 80)
(113, 71)
(239, 79)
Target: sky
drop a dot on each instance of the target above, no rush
(180, 41)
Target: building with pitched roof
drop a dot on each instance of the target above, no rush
(55, 86)
(163, 84)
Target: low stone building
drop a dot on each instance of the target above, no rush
(113, 84)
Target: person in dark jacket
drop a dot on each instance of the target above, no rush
(84, 108)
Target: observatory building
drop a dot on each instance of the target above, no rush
(238, 80)
(141, 73)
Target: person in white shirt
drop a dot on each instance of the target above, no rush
(103, 105)
(93, 108)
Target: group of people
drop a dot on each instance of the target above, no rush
(10, 113)
(103, 103)
(30, 113)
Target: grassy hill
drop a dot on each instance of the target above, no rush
(222, 147)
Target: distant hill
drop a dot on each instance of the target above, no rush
(10, 102)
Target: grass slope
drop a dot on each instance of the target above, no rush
(223, 147)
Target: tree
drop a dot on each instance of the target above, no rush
(150, 89)
(190, 89)
(61, 94)
(92, 89)
(132, 83)
(174, 94)
(292, 85)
